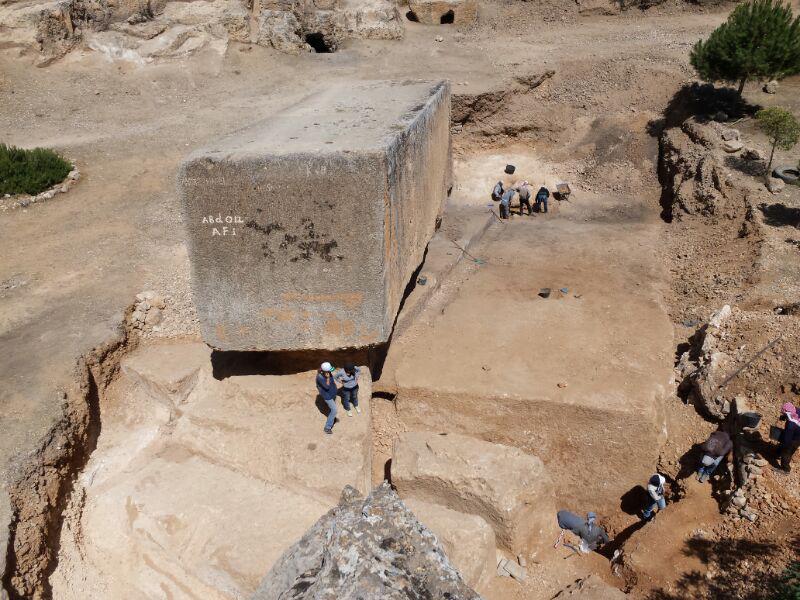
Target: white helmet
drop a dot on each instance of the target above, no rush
(326, 367)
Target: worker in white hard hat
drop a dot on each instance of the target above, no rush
(326, 386)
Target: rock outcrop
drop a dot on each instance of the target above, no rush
(141, 31)
(370, 547)
(703, 368)
(468, 540)
(692, 170)
(503, 485)
(436, 12)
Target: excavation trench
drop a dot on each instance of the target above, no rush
(182, 474)
(42, 483)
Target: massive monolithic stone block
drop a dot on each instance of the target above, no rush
(304, 230)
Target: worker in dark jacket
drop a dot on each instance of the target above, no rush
(790, 437)
(592, 536)
(715, 449)
(326, 386)
(505, 203)
(541, 199)
(497, 191)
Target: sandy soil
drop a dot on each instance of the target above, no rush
(198, 485)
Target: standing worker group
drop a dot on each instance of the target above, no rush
(326, 380)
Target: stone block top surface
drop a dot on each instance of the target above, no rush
(348, 116)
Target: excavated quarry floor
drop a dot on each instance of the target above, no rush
(198, 485)
(579, 374)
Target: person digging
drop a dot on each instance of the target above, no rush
(590, 534)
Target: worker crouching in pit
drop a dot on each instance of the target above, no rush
(590, 535)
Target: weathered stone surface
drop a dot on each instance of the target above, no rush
(373, 19)
(771, 87)
(305, 229)
(281, 30)
(731, 146)
(598, 7)
(775, 185)
(467, 539)
(435, 12)
(365, 548)
(505, 486)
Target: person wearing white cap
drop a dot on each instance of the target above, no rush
(326, 386)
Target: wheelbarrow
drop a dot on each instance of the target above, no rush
(562, 191)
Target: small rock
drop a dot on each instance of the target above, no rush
(739, 501)
(147, 295)
(719, 317)
(439, 38)
(501, 568)
(154, 316)
(726, 407)
(771, 87)
(732, 146)
(137, 316)
(761, 462)
(521, 560)
(144, 305)
(720, 117)
(751, 516)
(516, 571)
(730, 134)
(74, 175)
(562, 384)
(775, 185)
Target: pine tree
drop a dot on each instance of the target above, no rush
(760, 40)
(782, 129)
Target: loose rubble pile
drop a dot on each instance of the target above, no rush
(147, 311)
(10, 202)
(371, 547)
(703, 368)
(752, 497)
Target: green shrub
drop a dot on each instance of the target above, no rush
(30, 171)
